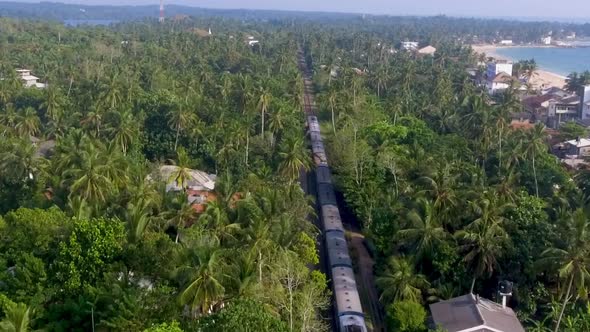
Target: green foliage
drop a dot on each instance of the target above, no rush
(88, 252)
(406, 316)
(165, 327)
(571, 130)
(243, 316)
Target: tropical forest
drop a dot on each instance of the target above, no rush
(97, 234)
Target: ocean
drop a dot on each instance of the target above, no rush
(562, 61)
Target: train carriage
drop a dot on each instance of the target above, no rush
(326, 195)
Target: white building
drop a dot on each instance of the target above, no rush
(585, 106)
(546, 40)
(506, 42)
(497, 67)
(410, 45)
(428, 50)
(29, 80)
(500, 83)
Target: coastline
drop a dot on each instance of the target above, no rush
(542, 79)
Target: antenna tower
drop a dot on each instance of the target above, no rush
(161, 20)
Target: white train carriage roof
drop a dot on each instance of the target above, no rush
(326, 194)
(345, 291)
(331, 218)
(337, 250)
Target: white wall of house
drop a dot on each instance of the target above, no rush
(495, 68)
(506, 42)
(496, 87)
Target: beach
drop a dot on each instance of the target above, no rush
(541, 79)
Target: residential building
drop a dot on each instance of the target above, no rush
(199, 186)
(555, 106)
(585, 103)
(563, 110)
(409, 45)
(579, 147)
(471, 313)
(497, 67)
(500, 83)
(29, 80)
(506, 42)
(428, 50)
(546, 40)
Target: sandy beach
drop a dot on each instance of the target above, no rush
(541, 79)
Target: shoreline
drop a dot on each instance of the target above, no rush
(543, 77)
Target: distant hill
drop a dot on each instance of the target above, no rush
(61, 11)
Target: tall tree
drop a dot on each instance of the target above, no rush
(571, 261)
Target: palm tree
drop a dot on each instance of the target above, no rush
(425, 230)
(333, 101)
(400, 282)
(182, 172)
(181, 217)
(294, 157)
(532, 145)
(28, 123)
(89, 177)
(181, 118)
(572, 262)
(138, 219)
(202, 274)
(17, 161)
(264, 101)
(482, 243)
(125, 131)
(18, 318)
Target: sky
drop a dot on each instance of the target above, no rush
(479, 8)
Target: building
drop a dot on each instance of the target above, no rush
(506, 42)
(199, 186)
(500, 83)
(428, 50)
(252, 41)
(561, 110)
(579, 147)
(29, 80)
(471, 313)
(546, 40)
(585, 103)
(409, 45)
(499, 66)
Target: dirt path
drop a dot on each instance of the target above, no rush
(366, 280)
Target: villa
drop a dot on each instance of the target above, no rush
(30, 80)
(498, 76)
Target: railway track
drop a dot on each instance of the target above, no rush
(347, 308)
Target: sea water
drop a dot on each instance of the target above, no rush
(562, 61)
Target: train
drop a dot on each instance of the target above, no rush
(348, 310)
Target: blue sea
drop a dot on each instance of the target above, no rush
(562, 61)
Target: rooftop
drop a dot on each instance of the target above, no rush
(502, 78)
(579, 143)
(473, 313)
(198, 180)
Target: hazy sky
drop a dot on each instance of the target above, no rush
(497, 8)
